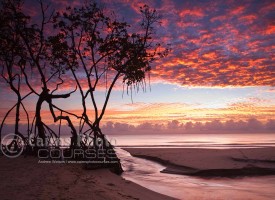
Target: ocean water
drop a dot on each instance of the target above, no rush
(237, 140)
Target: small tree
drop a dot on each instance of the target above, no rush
(105, 50)
(12, 52)
(25, 50)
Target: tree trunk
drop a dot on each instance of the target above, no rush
(39, 123)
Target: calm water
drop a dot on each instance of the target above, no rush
(195, 140)
(147, 173)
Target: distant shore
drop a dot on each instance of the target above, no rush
(211, 162)
(25, 178)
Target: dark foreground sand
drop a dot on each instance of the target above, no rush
(211, 162)
(23, 178)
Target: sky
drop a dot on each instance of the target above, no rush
(221, 66)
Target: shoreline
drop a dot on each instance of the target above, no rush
(224, 162)
(24, 178)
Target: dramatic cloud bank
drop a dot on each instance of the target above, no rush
(214, 43)
(224, 44)
(252, 125)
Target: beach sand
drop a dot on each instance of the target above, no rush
(211, 162)
(25, 178)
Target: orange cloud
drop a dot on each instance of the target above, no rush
(161, 112)
(194, 13)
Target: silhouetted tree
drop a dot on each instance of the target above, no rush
(105, 50)
(12, 53)
(84, 41)
(32, 47)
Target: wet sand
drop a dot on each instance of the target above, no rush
(24, 178)
(211, 162)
